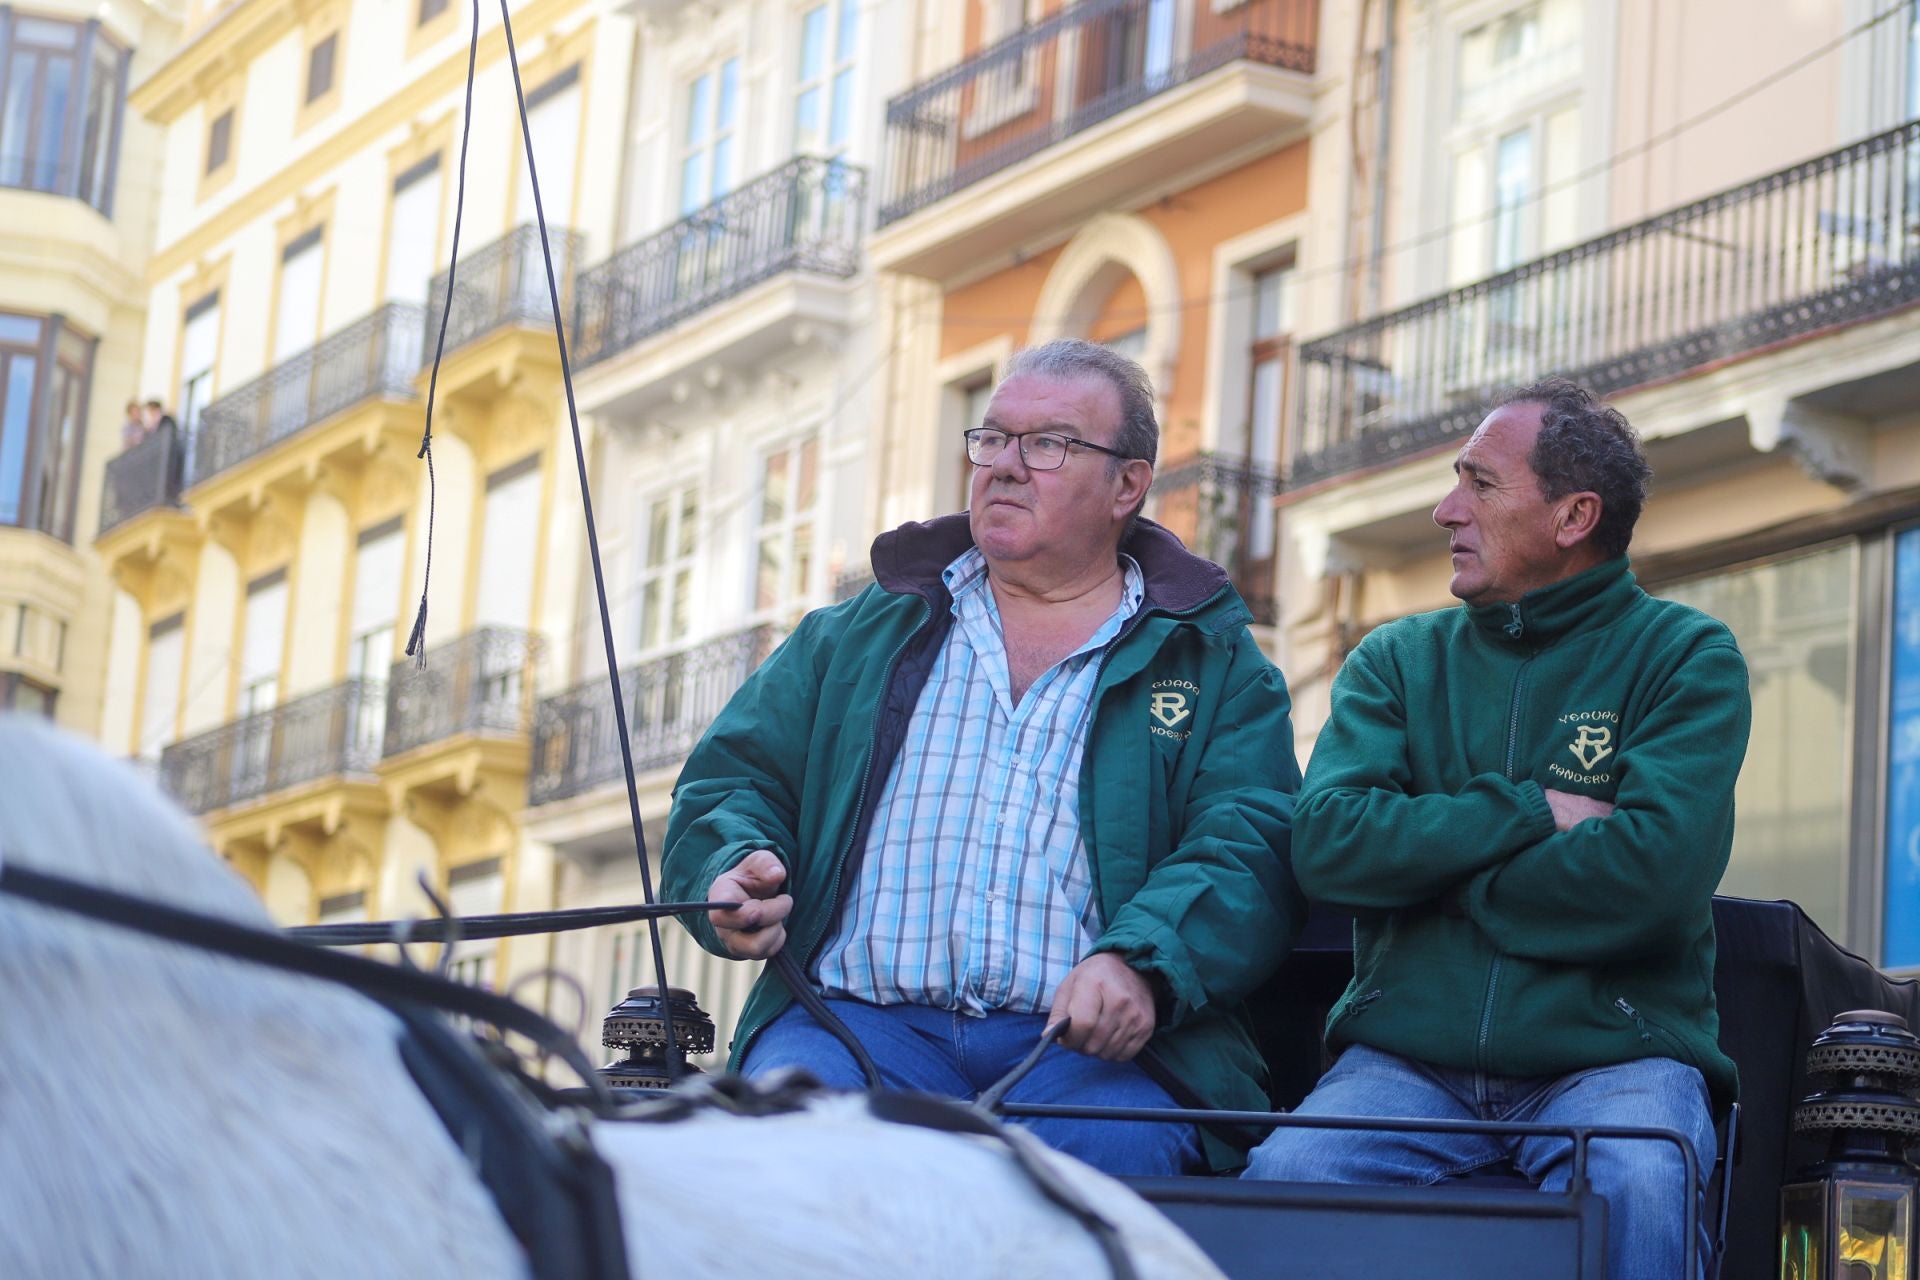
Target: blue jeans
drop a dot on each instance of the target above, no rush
(954, 1055)
(1643, 1182)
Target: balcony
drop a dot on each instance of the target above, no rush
(757, 262)
(501, 311)
(477, 685)
(1222, 507)
(1122, 95)
(1826, 243)
(670, 702)
(374, 358)
(142, 478)
(335, 732)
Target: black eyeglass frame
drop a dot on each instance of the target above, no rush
(1021, 437)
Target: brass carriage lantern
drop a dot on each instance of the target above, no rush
(1851, 1215)
(636, 1026)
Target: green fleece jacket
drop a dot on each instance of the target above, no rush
(1186, 792)
(1483, 937)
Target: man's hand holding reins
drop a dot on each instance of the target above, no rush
(756, 928)
(1111, 1005)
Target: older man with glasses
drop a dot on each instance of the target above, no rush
(1039, 774)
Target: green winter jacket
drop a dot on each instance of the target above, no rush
(1185, 801)
(1483, 938)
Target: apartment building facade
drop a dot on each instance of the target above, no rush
(1712, 220)
(78, 188)
(271, 555)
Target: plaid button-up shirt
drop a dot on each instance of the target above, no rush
(975, 892)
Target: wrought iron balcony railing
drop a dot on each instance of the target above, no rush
(807, 215)
(1223, 507)
(333, 732)
(1830, 241)
(143, 477)
(502, 285)
(670, 702)
(376, 356)
(481, 683)
(1069, 71)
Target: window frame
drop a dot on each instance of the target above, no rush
(33, 510)
(682, 555)
(11, 682)
(796, 591)
(839, 13)
(715, 131)
(81, 171)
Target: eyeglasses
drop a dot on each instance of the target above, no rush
(1040, 450)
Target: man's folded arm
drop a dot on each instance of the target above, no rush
(1636, 881)
(1363, 841)
(1219, 913)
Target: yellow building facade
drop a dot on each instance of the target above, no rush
(270, 556)
(79, 185)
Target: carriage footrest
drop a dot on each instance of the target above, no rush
(1309, 1231)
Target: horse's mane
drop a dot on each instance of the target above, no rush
(165, 1111)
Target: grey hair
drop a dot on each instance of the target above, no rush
(1071, 358)
(1586, 445)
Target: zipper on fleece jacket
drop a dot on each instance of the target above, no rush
(1646, 1036)
(859, 806)
(1515, 629)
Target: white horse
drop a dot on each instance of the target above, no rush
(168, 1112)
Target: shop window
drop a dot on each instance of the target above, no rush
(1795, 621)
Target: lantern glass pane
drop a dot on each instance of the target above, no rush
(1803, 1231)
(1876, 1231)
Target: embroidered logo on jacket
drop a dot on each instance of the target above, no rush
(1591, 746)
(1172, 705)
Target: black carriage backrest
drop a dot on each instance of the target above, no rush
(1779, 981)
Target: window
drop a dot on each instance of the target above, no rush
(61, 91)
(706, 153)
(45, 371)
(476, 889)
(413, 232)
(508, 539)
(296, 327)
(1267, 402)
(1795, 622)
(823, 106)
(553, 118)
(320, 67)
(160, 700)
(18, 693)
(789, 487)
(199, 347)
(670, 533)
(431, 9)
(1132, 344)
(343, 908)
(219, 142)
(376, 600)
(265, 636)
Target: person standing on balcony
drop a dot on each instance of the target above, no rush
(134, 428)
(1527, 803)
(157, 418)
(1038, 772)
